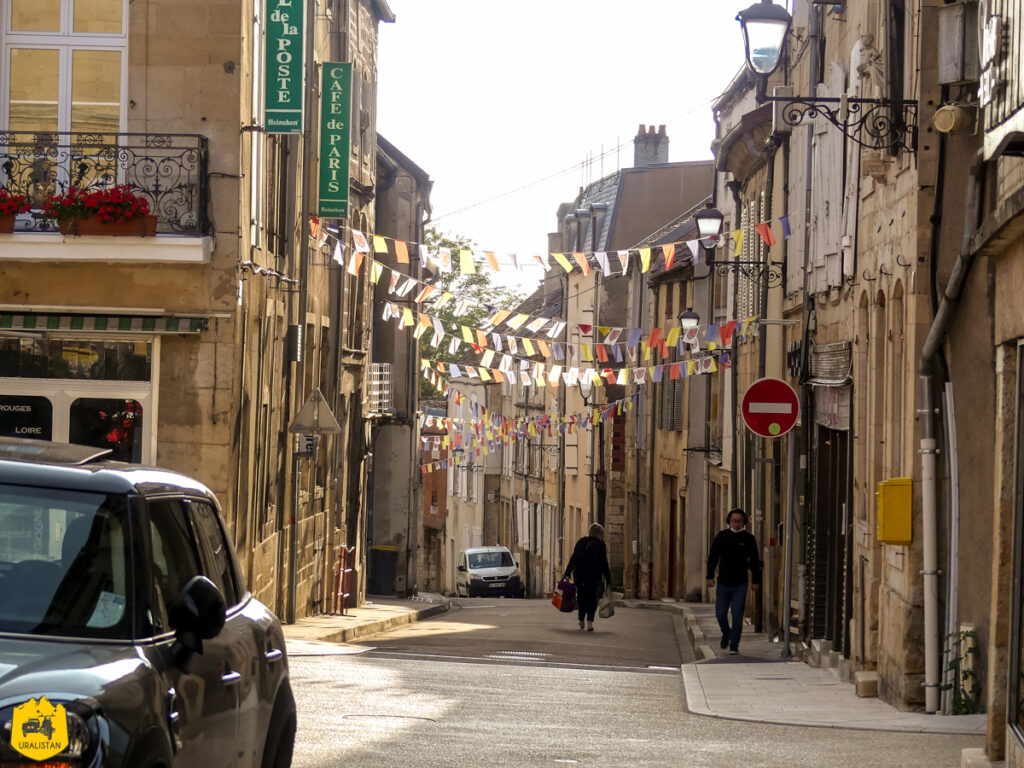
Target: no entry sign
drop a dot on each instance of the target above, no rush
(770, 408)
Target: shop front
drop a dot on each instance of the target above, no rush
(85, 380)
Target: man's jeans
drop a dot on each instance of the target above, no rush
(734, 598)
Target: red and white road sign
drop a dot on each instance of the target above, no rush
(770, 407)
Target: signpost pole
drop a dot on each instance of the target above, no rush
(788, 531)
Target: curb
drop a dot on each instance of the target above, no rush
(382, 625)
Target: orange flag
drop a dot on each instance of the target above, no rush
(581, 259)
(402, 252)
(764, 229)
(670, 255)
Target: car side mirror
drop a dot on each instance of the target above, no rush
(462, 568)
(517, 563)
(199, 613)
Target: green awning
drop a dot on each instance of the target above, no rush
(155, 324)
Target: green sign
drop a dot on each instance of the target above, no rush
(335, 109)
(283, 67)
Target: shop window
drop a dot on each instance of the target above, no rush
(30, 417)
(75, 359)
(108, 423)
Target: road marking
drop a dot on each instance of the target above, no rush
(414, 656)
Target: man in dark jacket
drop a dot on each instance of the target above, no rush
(588, 566)
(734, 552)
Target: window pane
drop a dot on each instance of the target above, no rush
(174, 561)
(214, 551)
(96, 91)
(35, 16)
(22, 416)
(63, 557)
(98, 16)
(34, 89)
(108, 423)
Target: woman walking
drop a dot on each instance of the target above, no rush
(588, 566)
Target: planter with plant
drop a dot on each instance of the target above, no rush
(110, 211)
(10, 206)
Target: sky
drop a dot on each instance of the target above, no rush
(509, 106)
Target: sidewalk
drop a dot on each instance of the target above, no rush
(759, 685)
(377, 614)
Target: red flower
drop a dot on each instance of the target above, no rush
(117, 204)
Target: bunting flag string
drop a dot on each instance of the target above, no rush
(470, 260)
(403, 285)
(487, 339)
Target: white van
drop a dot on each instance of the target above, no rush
(485, 571)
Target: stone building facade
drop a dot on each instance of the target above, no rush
(203, 342)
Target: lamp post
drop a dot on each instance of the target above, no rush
(872, 123)
(709, 223)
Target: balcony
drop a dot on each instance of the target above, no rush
(169, 170)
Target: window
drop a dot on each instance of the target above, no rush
(65, 63)
(63, 563)
(108, 423)
(175, 561)
(63, 67)
(214, 552)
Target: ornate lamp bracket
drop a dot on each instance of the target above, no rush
(761, 272)
(871, 123)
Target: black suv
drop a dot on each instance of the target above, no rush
(121, 599)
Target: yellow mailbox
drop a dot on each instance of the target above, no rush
(895, 510)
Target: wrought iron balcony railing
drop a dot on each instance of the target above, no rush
(169, 170)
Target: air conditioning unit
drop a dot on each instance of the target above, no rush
(378, 389)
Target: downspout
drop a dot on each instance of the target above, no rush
(734, 387)
(650, 471)
(936, 336)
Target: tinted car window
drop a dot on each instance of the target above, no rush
(64, 559)
(175, 560)
(216, 559)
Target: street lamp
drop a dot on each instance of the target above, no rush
(586, 388)
(688, 319)
(872, 123)
(764, 26)
(709, 224)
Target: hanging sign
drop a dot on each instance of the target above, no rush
(335, 109)
(283, 86)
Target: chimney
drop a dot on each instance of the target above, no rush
(650, 147)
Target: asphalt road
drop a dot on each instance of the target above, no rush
(513, 683)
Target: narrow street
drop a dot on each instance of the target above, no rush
(512, 683)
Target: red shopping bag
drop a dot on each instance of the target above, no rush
(566, 592)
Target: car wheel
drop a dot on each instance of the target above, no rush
(277, 750)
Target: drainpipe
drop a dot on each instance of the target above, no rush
(650, 470)
(936, 336)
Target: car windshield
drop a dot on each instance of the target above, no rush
(63, 563)
(490, 559)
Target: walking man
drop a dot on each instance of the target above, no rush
(733, 552)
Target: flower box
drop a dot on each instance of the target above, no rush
(7, 223)
(142, 226)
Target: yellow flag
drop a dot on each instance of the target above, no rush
(737, 236)
(528, 347)
(645, 259)
(380, 245)
(673, 336)
(466, 265)
(562, 261)
(467, 335)
(376, 271)
(585, 348)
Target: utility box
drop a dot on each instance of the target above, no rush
(895, 510)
